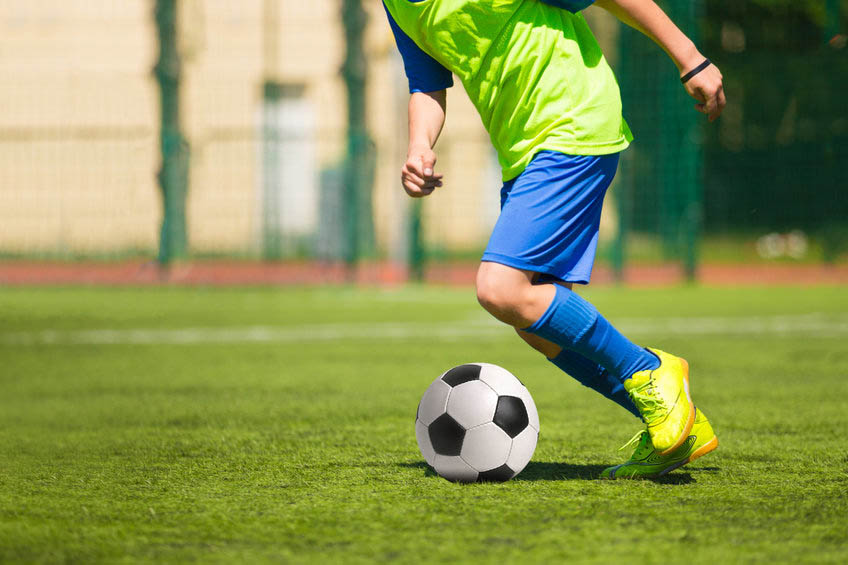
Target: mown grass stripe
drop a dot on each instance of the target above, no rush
(808, 324)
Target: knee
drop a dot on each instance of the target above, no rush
(498, 295)
(490, 295)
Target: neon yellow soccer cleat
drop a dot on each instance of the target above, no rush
(662, 397)
(646, 463)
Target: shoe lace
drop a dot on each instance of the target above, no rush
(650, 404)
(641, 440)
(634, 440)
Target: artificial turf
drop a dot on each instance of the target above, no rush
(276, 425)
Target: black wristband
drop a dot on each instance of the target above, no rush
(685, 78)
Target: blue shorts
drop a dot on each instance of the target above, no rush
(550, 216)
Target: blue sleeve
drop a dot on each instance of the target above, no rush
(570, 5)
(424, 73)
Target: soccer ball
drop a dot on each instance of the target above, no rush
(477, 422)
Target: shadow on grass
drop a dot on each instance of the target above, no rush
(428, 471)
(545, 471)
(550, 471)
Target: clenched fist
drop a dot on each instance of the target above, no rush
(418, 176)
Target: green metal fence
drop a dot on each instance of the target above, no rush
(660, 191)
(777, 160)
(297, 134)
(771, 169)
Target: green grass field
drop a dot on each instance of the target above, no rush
(276, 425)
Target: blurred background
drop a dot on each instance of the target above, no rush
(139, 134)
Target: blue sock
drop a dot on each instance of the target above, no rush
(590, 374)
(573, 323)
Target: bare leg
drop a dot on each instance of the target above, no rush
(509, 294)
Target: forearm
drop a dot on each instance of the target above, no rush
(427, 112)
(648, 18)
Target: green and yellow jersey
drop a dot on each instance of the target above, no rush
(533, 70)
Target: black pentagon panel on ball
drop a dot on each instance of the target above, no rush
(462, 374)
(446, 435)
(511, 415)
(499, 475)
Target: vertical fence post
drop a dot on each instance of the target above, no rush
(173, 176)
(668, 167)
(831, 25)
(623, 199)
(690, 159)
(624, 184)
(416, 242)
(272, 240)
(272, 91)
(360, 160)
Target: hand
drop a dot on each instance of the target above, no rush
(418, 176)
(706, 87)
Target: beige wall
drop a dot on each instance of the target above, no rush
(77, 126)
(79, 120)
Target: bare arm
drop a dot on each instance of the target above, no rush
(645, 16)
(427, 112)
